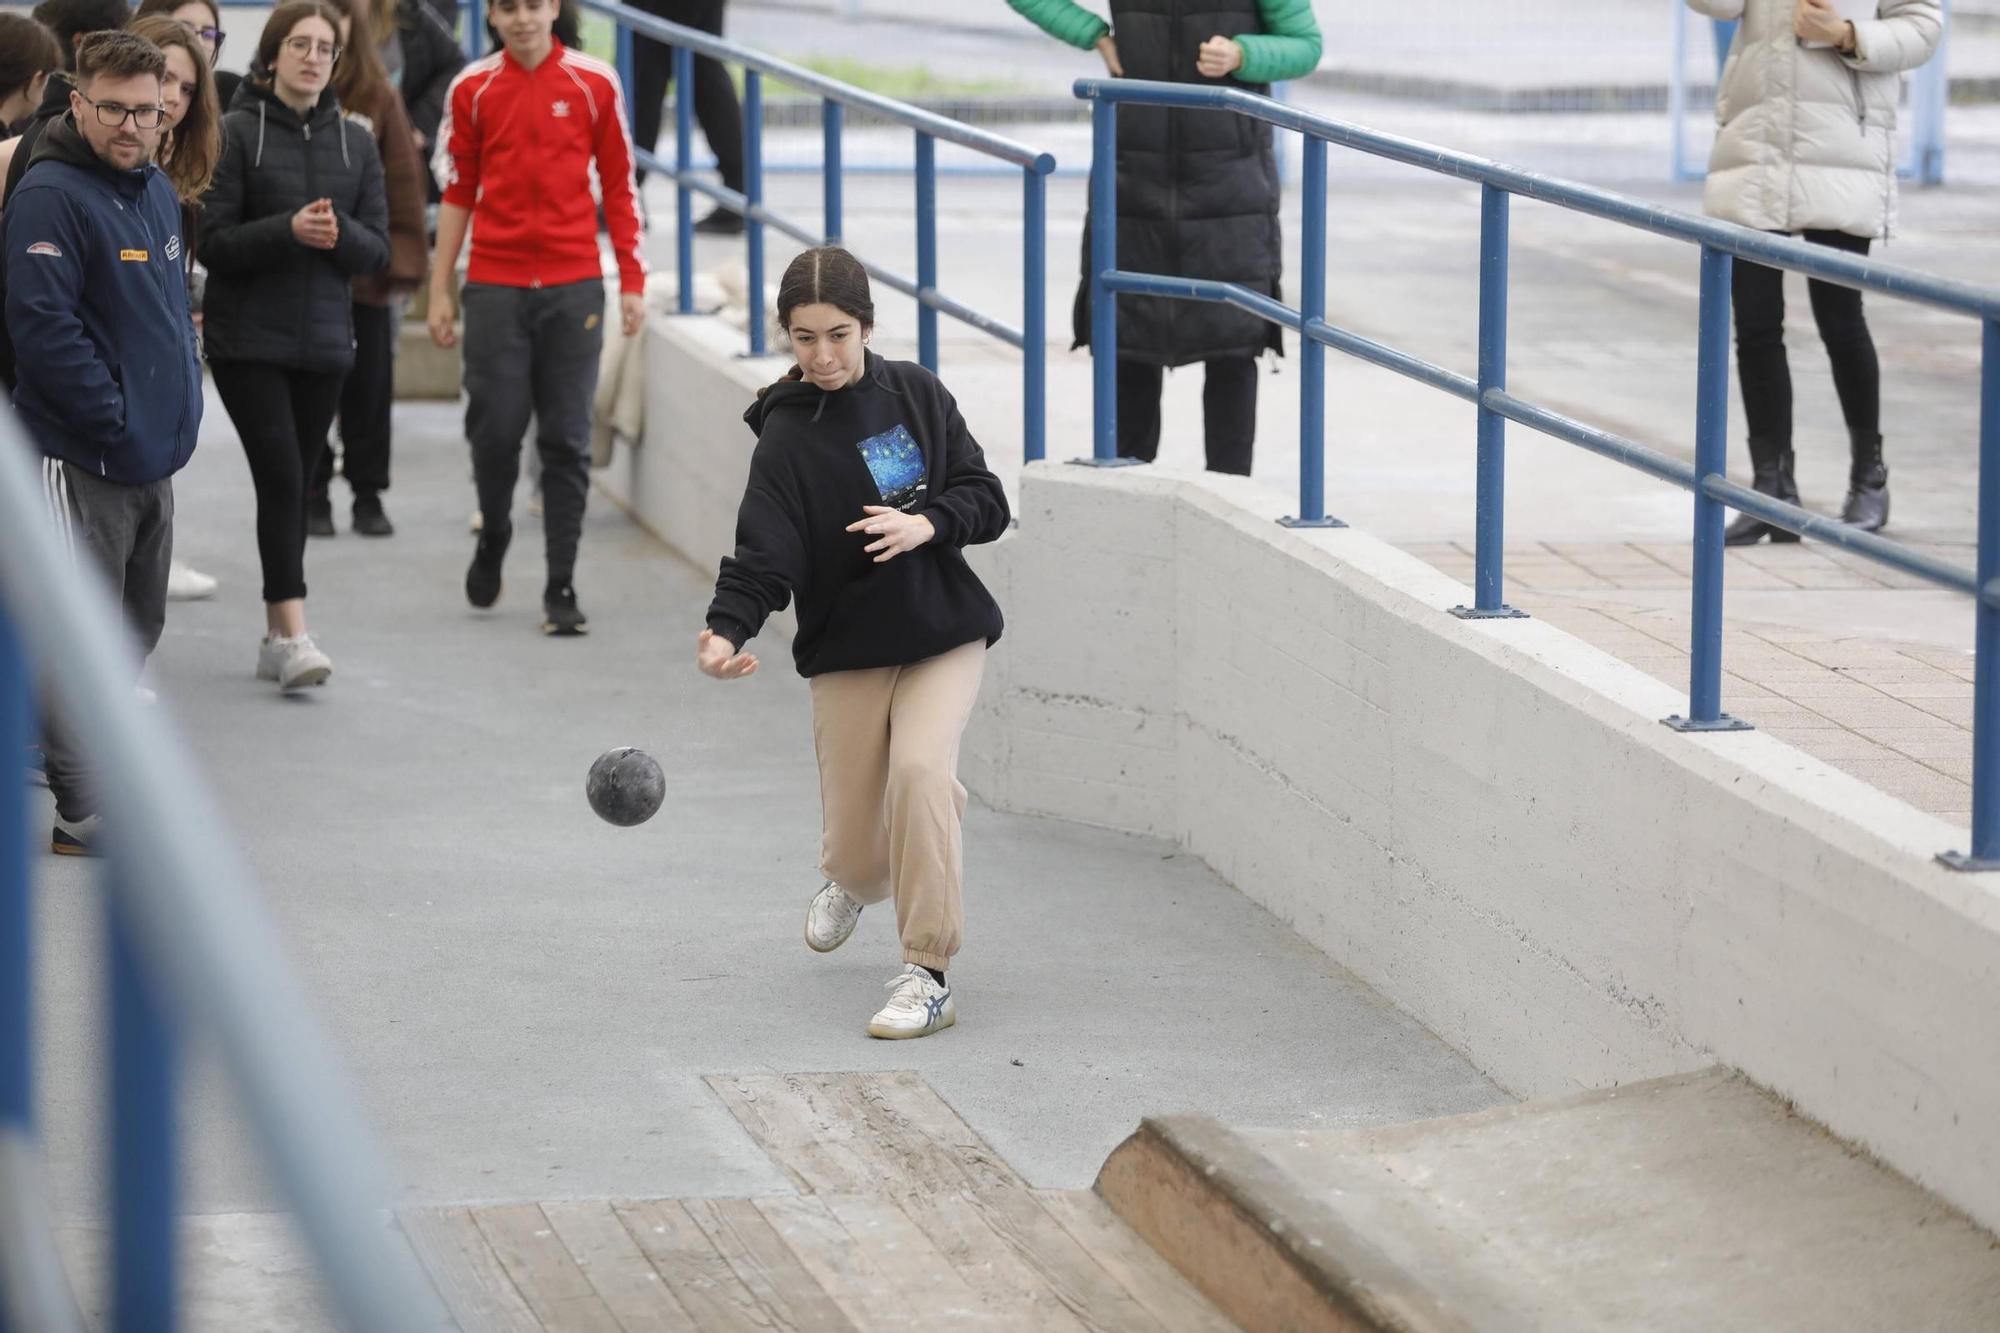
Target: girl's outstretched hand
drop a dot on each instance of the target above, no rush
(896, 532)
(717, 657)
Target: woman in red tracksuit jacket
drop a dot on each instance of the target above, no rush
(523, 129)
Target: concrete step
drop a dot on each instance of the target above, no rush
(1691, 1202)
(423, 369)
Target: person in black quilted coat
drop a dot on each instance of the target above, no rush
(297, 211)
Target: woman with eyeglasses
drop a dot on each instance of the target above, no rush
(203, 18)
(297, 212)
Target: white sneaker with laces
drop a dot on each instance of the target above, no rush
(918, 1006)
(294, 663)
(188, 585)
(830, 919)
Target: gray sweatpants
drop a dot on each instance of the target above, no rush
(532, 352)
(126, 533)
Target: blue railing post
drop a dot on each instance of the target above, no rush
(1711, 459)
(927, 259)
(475, 32)
(144, 1116)
(1490, 506)
(627, 75)
(1312, 353)
(1103, 258)
(1985, 852)
(753, 189)
(1034, 314)
(683, 157)
(831, 116)
(17, 1066)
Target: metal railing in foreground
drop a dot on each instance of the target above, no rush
(190, 953)
(1721, 243)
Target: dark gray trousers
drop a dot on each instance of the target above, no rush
(127, 534)
(532, 352)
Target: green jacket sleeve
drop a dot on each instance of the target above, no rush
(1067, 21)
(1288, 48)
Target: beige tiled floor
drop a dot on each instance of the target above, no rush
(1897, 715)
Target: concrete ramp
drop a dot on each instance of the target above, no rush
(1695, 1202)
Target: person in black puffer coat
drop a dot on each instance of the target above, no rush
(297, 211)
(1197, 198)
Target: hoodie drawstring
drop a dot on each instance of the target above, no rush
(344, 160)
(258, 161)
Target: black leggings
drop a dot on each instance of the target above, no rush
(715, 104)
(1758, 298)
(365, 402)
(282, 416)
(1228, 403)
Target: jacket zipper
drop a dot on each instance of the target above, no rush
(305, 287)
(152, 242)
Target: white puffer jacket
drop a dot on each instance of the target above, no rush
(1806, 136)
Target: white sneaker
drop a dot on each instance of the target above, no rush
(918, 1006)
(294, 663)
(188, 585)
(478, 522)
(830, 919)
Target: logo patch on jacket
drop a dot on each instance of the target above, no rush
(560, 110)
(49, 248)
(897, 464)
(134, 256)
(173, 247)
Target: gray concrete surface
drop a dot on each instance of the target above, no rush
(1697, 1202)
(529, 997)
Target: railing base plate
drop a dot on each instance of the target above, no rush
(1722, 722)
(1967, 862)
(1500, 612)
(1328, 522)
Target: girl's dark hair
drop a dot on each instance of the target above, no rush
(26, 50)
(826, 275)
(283, 19)
(147, 8)
(360, 81)
(197, 141)
(568, 29)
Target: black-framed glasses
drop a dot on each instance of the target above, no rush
(310, 46)
(112, 115)
(213, 36)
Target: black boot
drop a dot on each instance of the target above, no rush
(319, 514)
(370, 520)
(1772, 478)
(1867, 504)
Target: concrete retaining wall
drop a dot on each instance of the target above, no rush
(1484, 820)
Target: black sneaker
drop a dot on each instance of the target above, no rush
(560, 614)
(369, 520)
(720, 222)
(482, 580)
(319, 516)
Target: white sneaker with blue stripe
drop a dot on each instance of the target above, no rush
(918, 1006)
(830, 918)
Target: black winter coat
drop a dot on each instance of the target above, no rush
(270, 297)
(432, 58)
(1197, 192)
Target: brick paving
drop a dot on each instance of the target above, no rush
(1897, 715)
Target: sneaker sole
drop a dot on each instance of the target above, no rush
(306, 679)
(61, 848)
(831, 947)
(906, 1034)
(560, 632)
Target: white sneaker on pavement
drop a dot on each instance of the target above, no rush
(830, 919)
(294, 663)
(188, 585)
(918, 1006)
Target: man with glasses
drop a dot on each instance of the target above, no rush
(109, 384)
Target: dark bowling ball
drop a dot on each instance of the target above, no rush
(625, 786)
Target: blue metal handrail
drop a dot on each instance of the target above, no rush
(190, 953)
(1721, 243)
(1031, 338)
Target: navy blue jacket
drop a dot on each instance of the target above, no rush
(97, 307)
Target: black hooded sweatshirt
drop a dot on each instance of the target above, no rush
(895, 438)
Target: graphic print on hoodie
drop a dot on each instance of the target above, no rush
(896, 462)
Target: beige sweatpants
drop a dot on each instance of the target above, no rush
(888, 781)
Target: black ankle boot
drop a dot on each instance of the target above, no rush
(1867, 506)
(1775, 480)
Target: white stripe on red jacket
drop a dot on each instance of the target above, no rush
(522, 149)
